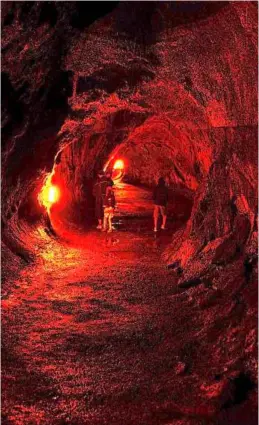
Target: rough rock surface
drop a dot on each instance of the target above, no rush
(172, 88)
(114, 83)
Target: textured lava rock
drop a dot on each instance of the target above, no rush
(119, 85)
(169, 86)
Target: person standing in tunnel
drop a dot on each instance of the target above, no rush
(99, 192)
(108, 179)
(109, 207)
(160, 197)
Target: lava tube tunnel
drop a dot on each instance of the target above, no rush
(129, 213)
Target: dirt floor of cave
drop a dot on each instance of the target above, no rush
(96, 332)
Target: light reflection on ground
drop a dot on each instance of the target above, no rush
(95, 328)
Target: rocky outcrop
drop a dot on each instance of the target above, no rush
(224, 218)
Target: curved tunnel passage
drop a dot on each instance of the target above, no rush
(148, 153)
(98, 326)
(174, 144)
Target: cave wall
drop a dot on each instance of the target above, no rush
(179, 76)
(173, 87)
(224, 216)
(35, 92)
(185, 93)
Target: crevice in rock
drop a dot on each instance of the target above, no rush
(242, 386)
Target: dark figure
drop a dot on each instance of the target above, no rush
(108, 176)
(160, 197)
(99, 192)
(109, 207)
(106, 182)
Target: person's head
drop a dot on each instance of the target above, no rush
(108, 174)
(109, 190)
(161, 181)
(100, 174)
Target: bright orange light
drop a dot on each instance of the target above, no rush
(119, 165)
(49, 194)
(53, 194)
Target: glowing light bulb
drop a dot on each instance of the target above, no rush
(119, 165)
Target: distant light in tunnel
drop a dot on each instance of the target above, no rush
(49, 195)
(119, 165)
(53, 194)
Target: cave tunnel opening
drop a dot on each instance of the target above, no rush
(149, 152)
(152, 327)
(174, 144)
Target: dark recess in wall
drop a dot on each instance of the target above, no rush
(86, 12)
(61, 91)
(242, 386)
(183, 13)
(48, 13)
(12, 108)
